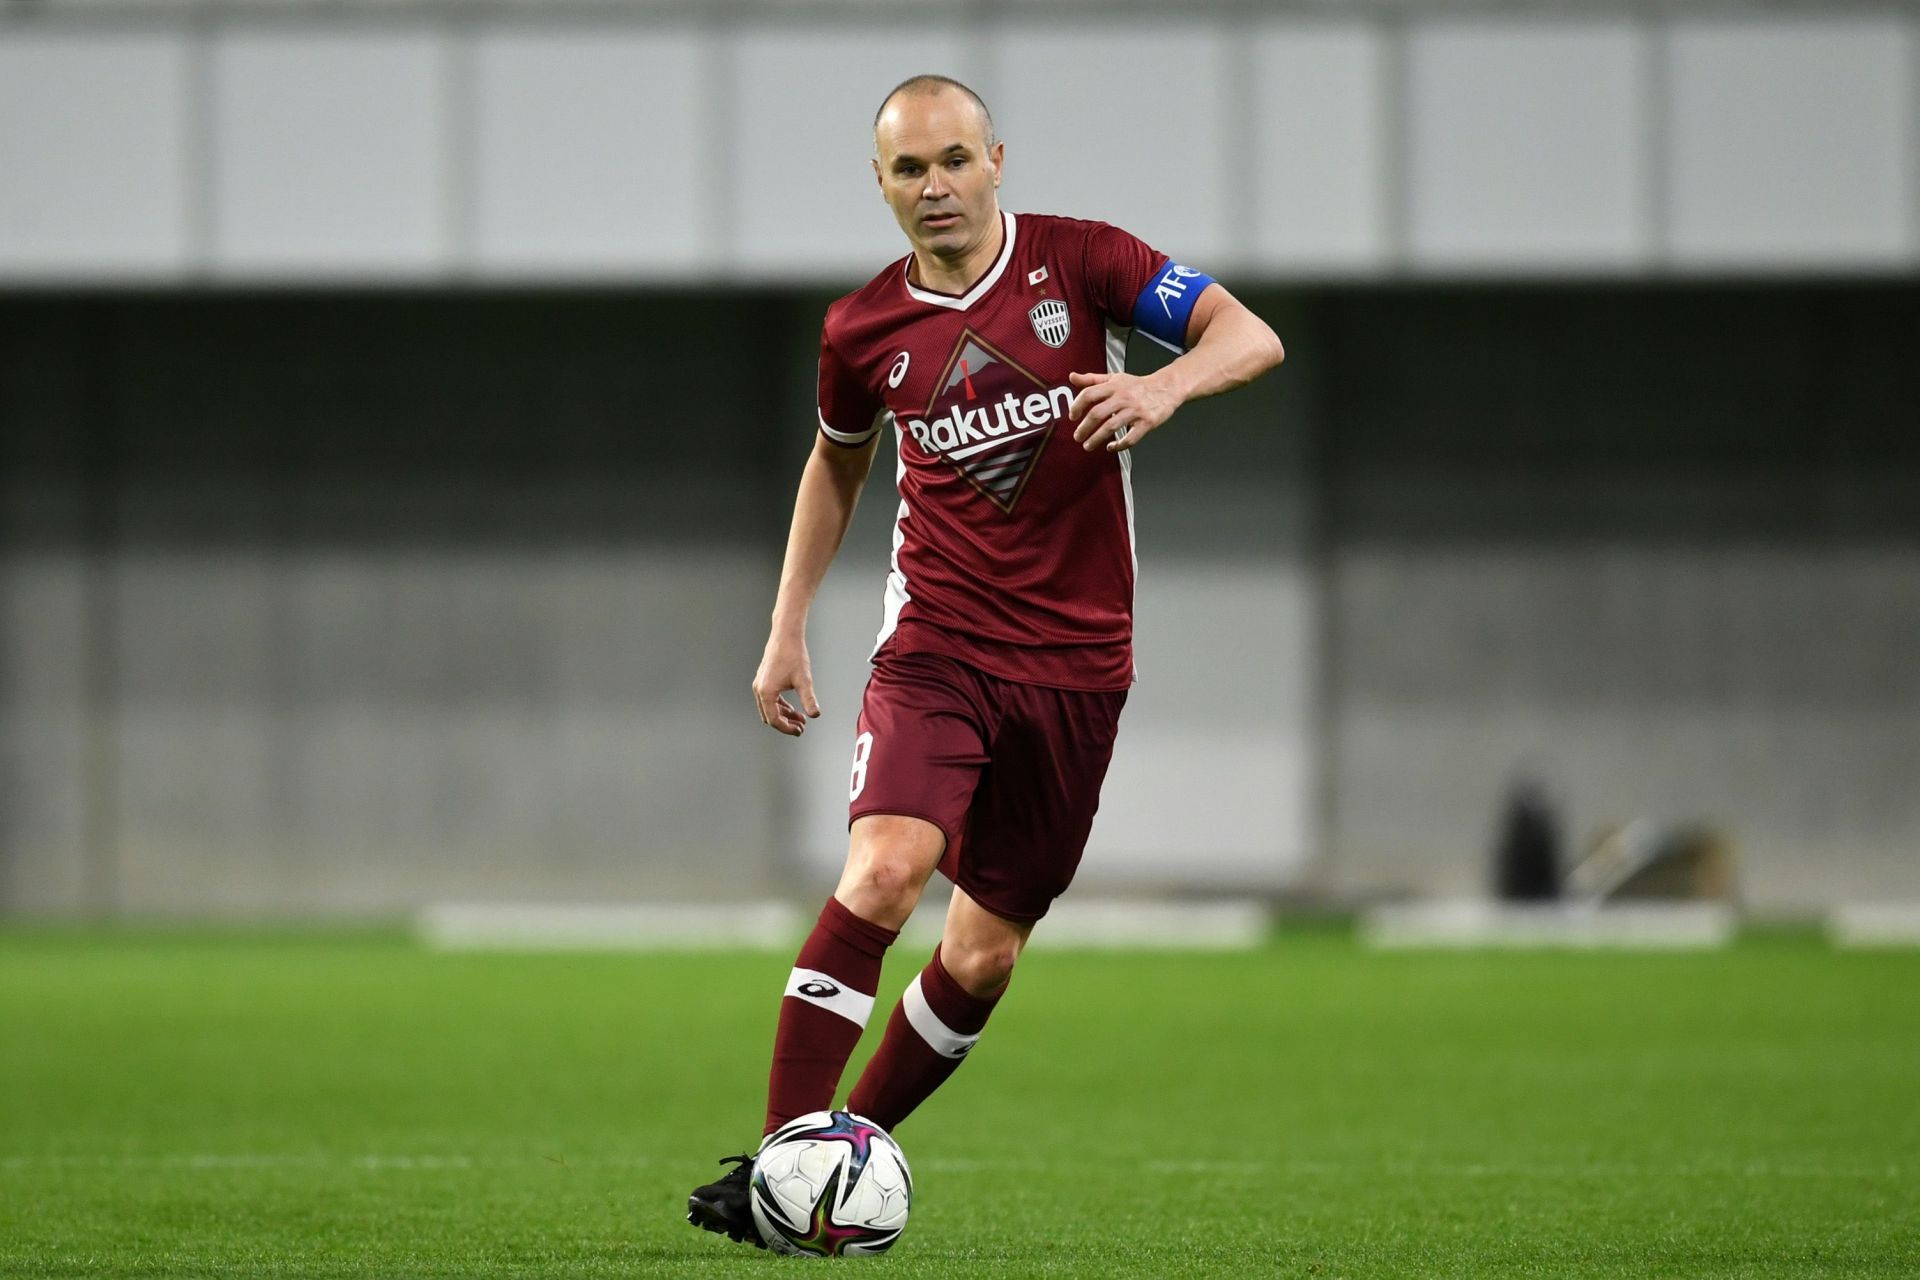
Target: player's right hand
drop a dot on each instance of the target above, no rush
(785, 666)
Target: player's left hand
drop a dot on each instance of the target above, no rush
(1115, 411)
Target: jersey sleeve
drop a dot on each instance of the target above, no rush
(850, 414)
(1138, 286)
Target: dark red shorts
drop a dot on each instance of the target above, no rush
(1010, 772)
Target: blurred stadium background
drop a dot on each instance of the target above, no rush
(400, 410)
(402, 405)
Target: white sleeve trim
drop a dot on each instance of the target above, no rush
(880, 420)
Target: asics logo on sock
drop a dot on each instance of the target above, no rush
(824, 991)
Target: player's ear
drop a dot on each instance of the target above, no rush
(997, 155)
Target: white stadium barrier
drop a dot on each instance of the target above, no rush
(1872, 925)
(1478, 924)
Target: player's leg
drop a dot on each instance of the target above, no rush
(1025, 832)
(919, 749)
(979, 948)
(829, 994)
(890, 858)
(942, 1013)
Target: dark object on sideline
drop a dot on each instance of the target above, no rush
(1643, 862)
(1526, 862)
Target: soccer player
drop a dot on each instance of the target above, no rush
(996, 351)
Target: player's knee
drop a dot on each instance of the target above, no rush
(980, 970)
(888, 864)
(882, 885)
(889, 875)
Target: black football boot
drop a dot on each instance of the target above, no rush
(722, 1205)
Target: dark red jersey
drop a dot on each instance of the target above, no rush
(1013, 547)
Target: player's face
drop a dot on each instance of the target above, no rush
(938, 173)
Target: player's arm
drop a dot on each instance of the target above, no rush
(829, 488)
(1227, 346)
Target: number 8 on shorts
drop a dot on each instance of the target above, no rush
(862, 748)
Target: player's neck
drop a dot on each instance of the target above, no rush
(957, 275)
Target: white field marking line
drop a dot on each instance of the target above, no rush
(242, 1161)
(372, 1163)
(965, 1165)
(164, 1162)
(1409, 1169)
(1240, 1167)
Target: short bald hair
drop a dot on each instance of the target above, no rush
(932, 84)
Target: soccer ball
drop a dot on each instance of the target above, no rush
(830, 1185)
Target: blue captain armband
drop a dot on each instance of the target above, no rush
(1164, 306)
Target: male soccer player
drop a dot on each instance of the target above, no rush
(996, 352)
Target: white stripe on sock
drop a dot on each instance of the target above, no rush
(830, 994)
(940, 1037)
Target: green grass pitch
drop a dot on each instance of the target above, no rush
(309, 1105)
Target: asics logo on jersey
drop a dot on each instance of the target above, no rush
(989, 418)
(898, 374)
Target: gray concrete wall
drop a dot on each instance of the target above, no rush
(334, 603)
(325, 604)
(1659, 549)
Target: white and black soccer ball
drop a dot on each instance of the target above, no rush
(830, 1185)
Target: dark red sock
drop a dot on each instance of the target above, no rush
(828, 999)
(929, 1035)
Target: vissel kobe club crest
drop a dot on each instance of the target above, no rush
(989, 418)
(1051, 323)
